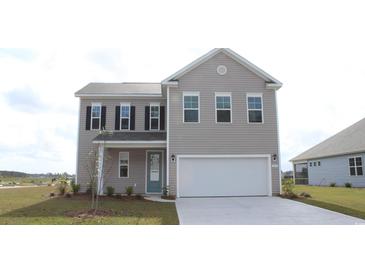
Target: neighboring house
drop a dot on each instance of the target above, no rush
(339, 159)
(210, 129)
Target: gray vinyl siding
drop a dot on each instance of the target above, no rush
(208, 137)
(334, 170)
(85, 144)
(137, 170)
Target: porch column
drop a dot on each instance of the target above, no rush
(100, 184)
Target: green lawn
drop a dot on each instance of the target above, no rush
(34, 206)
(350, 201)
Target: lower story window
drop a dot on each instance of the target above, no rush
(123, 164)
(355, 164)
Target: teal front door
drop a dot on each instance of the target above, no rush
(154, 172)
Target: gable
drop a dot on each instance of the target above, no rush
(231, 55)
(206, 77)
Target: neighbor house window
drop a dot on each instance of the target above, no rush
(191, 107)
(95, 115)
(315, 163)
(223, 106)
(319, 163)
(123, 164)
(154, 117)
(310, 164)
(355, 164)
(254, 108)
(125, 116)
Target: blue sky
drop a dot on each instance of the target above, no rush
(37, 94)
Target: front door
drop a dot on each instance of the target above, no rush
(154, 172)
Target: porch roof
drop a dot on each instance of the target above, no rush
(137, 139)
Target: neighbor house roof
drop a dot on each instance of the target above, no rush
(348, 141)
(130, 136)
(259, 72)
(120, 89)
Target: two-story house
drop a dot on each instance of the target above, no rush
(210, 129)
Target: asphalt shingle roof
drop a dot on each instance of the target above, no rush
(131, 136)
(347, 141)
(121, 88)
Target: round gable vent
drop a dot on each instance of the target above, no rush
(221, 70)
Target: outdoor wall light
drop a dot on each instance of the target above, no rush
(274, 157)
(173, 158)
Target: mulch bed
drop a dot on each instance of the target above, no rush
(89, 213)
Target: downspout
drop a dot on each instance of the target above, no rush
(168, 137)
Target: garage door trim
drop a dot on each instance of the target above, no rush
(267, 156)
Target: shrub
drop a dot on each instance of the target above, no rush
(118, 196)
(305, 195)
(62, 187)
(348, 185)
(75, 187)
(288, 187)
(68, 195)
(165, 191)
(139, 197)
(129, 190)
(110, 191)
(51, 194)
(332, 184)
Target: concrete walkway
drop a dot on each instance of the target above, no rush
(10, 187)
(256, 211)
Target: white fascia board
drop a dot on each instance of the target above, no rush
(118, 95)
(192, 65)
(250, 66)
(170, 83)
(132, 144)
(243, 61)
(129, 142)
(273, 86)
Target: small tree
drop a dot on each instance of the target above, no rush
(92, 167)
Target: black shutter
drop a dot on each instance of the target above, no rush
(133, 117)
(162, 118)
(88, 117)
(147, 118)
(103, 117)
(117, 118)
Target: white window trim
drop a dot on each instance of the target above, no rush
(262, 107)
(129, 118)
(225, 94)
(119, 165)
(91, 116)
(355, 166)
(191, 93)
(159, 115)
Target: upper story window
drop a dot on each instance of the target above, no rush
(355, 164)
(223, 107)
(154, 116)
(254, 108)
(125, 116)
(191, 107)
(95, 116)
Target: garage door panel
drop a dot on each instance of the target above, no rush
(199, 177)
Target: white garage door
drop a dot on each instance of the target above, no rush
(224, 176)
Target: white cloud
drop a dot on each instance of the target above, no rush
(316, 48)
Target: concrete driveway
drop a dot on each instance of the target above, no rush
(256, 211)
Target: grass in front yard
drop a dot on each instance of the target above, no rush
(34, 206)
(349, 201)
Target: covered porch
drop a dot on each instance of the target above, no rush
(131, 159)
